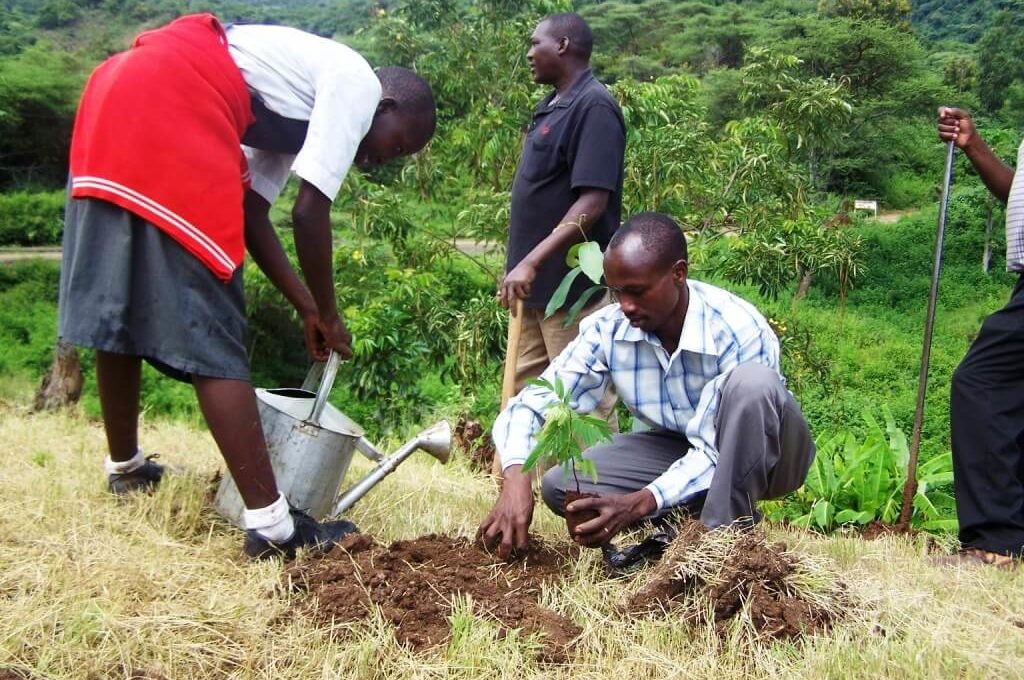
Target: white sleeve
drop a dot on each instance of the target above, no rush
(268, 171)
(342, 115)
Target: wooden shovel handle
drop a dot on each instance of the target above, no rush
(508, 381)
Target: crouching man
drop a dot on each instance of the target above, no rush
(695, 363)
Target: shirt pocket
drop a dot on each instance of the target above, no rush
(541, 159)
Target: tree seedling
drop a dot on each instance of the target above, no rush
(565, 435)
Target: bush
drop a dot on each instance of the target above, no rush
(31, 218)
(859, 480)
(908, 190)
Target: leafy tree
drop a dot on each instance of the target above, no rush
(813, 111)
(773, 256)
(893, 12)
(57, 13)
(890, 83)
(963, 20)
(1001, 56)
(960, 73)
(38, 94)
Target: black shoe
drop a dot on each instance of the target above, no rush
(309, 533)
(143, 478)
(629, 559)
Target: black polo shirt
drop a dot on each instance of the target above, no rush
(575, 143)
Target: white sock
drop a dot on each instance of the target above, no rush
(273, 522)
(121, 467)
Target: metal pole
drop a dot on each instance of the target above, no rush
(986, 258)
(910, 488)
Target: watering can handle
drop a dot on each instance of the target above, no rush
(326, 383)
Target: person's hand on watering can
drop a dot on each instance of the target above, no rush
(324, 333)
(956, 125)
(507, 527)
(614, 513)
(516, 283)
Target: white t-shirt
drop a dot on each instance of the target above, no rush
(305, 77)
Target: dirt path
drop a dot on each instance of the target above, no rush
(894, 216)
(15, 254)
(9, 255)
(470, 247)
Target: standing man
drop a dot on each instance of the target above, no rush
(987, 395)
(163, 203)
(696, 364)
(568, 186)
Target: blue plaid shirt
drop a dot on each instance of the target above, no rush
(677, 392)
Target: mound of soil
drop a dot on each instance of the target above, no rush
(414, 584)
(742, 576)
(470, 436)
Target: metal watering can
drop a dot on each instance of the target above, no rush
(311, 443)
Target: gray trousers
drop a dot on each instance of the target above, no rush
(764, 451)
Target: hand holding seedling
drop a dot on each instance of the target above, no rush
(614, 513)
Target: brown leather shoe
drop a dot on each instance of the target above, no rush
(974, 557)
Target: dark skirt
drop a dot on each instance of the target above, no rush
(127, 288)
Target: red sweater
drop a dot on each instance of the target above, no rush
(158, 132)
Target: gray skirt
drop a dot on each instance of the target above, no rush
(128, 288)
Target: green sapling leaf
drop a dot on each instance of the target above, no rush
(592, 260)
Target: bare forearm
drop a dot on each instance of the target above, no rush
(265, 248)
(996, 175)
(576, 223)
(313, 244)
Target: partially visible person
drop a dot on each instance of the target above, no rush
(180, 145)
(987, 395)
(695, 363)
(568, 186)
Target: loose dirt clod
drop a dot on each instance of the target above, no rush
(415, 583)
(722, 576)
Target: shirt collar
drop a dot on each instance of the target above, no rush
(570, 95)
(696, 337)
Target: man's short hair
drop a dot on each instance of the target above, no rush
(412, 94)
(659, 235)
(574, 27)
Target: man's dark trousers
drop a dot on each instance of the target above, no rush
(987, 422)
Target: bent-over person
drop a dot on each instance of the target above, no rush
(180, 145)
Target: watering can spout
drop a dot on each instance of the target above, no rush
(437, 440)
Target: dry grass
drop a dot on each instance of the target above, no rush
(156, 587)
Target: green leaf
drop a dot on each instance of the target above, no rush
(587, 467)
(925, 505)
(847, 516)
(823, 514)
(937, 470)
(541, 382)
(558, 297)
(592, 260)
(574, 311)
(572, 257)
(532, 459)
(940, 525)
